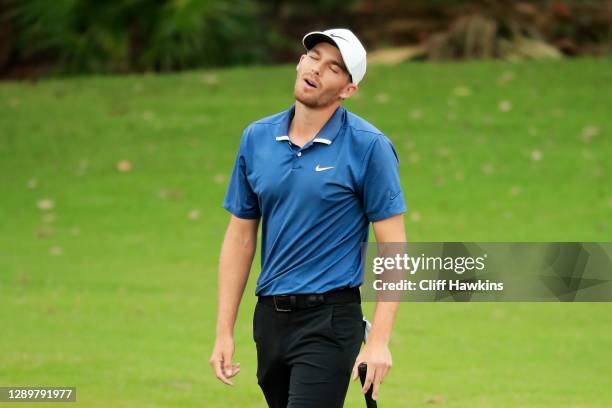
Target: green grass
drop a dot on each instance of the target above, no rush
(126, 312)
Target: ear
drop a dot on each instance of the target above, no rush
(297, 67)
(349, 90)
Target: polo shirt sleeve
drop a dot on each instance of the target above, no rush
(381, 191)
(240, 199)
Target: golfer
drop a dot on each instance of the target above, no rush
(315, 176)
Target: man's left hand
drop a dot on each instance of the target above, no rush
(378, 358)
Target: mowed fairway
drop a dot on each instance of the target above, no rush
(111, 286)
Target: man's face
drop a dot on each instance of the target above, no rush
(322, 78)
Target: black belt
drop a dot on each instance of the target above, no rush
(287, 303)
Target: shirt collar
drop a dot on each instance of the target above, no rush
(326, 135)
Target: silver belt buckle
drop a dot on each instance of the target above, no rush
(276, 305)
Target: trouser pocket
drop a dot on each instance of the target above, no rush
(346, 323)
(256, 324)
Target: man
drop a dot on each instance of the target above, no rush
(316, 175)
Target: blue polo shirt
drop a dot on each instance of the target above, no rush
(315, 202)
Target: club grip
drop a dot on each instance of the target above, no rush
(363, 370)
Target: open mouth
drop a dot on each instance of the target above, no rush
(310, 83)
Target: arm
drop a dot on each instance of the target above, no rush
(376, 351)
(237, 254)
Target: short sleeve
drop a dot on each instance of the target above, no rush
(240, 199)
(381, 190)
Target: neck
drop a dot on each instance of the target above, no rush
(308, 121)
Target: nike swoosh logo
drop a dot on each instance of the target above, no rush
(337, 36)
(319, 168)
(393, 196)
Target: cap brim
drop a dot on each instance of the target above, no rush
(315, 37)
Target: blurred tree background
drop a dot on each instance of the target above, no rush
(41, 37)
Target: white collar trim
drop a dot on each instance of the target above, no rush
(315, 140)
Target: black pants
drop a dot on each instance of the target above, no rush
(305, 357)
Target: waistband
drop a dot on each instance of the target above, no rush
(288, 303)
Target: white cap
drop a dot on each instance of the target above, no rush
(353, 53)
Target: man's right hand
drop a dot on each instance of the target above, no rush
(221, 359)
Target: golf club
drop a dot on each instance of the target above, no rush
(363, 369)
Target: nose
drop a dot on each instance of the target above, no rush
(316, 69)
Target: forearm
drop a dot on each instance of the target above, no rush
(382, 323)
(235, 263)
(388, 231)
